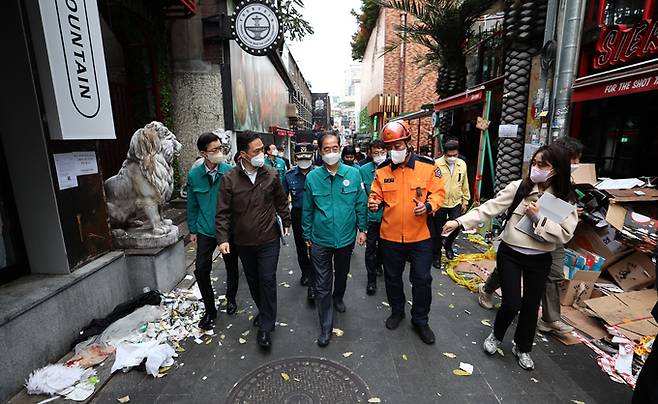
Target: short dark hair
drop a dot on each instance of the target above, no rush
(571, 145)
(377, 144)
(324, 136)
(348, 151)
(205, 139)
(280, 147)
(244, 139)
(268, 146)
(450, 145)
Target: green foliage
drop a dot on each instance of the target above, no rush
(365, 124)
(294, 24)
(442, 27)
(367, 19)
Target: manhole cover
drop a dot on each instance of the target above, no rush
(310, 381)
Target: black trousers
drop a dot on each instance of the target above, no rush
(373, 252)
(512, 265)
(205, 247)
(260, 264)
(436, 223)
(326, 261)
(645, 388)
(395, 257)
(300, 245)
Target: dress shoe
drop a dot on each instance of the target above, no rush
(264, 339)
(371, 288)
(304, 281)
(437, 264)
(425, 333)
(231, 307)
(394, 320)
(339, 305)
(310, 294)
(450, 253)
(207, 321)
(256, 322)
(323, 339)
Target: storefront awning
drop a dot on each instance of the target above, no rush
(637, 78)
(282, 132)
(470, 96)
(423, 113)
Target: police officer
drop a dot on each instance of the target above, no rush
(377, 153)
(273, 160)
(453, 169)
(293, 184)
(334, 209)
(410, 188)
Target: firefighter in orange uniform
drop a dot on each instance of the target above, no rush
(410, 188)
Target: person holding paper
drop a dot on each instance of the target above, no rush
(520, 255)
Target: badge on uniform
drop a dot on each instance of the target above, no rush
(346, 183)
(437, 172)
(388, 180)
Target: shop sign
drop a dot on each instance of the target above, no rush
(619, 44)
(256, 27)
(638, 84)
(69, 52)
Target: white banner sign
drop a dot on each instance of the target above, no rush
(69, 50)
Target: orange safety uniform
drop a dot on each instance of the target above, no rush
(397, 188)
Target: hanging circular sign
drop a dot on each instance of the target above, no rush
(256, 27)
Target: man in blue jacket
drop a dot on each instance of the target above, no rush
(203, 187)
(293, 185)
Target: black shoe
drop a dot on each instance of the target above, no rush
(380, 272)
(231, 307)
(256, 322)
(323, 340)
(264, 340)
(207, 321)
(339, 305)
(450, 253)
(304, 281)
(310, 294)
(394, 320)
(371, 288)
(437, 264)
(425, 333)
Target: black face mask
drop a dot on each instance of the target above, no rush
(349, 163)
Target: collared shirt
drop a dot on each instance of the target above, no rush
(251, 175)
(293, 185)
(279, 164)
(368, 175)
(456, 180)
(334, 207)
(202, 190)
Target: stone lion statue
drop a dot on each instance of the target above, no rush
(145, 181)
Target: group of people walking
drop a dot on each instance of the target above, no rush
(404, 207)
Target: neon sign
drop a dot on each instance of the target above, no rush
(618, 44)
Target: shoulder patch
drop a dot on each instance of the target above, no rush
(437, 172)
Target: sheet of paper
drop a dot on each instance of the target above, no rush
(624, 183)
(86, 162)
(508, 131)
(66, 168)
(551, 207)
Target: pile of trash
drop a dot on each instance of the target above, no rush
(148, 329)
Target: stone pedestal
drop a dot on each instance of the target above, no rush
(143, 237)
(157, 268)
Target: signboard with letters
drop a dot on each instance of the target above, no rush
(256, 27)
(71, 62)
(618, 44)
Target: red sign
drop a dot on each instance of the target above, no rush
(619, 44)
(640, 83)
(282, 132)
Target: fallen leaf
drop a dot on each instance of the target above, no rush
(486, 322)
(347, 354)
(124, 399)
(222, 336)
(285, 376)
(208, 341)
(338, 332)
(164, 369)
(460, 372)
(251, 317)
(178, 347)
(449, 355)
(441, 294)
(374, 400)
(404, 356)
(452, 306)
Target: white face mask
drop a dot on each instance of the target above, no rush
(451, 160)
(275, 153)
(216, 158)
(357, 149)
(331, 158)
(379, 159)
(538, 176)
(258, 161)
(398, 156)
(304, 164)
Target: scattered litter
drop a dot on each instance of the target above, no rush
(242, 340)
(160, 357)
(209, 341)
(188, 277)
(285, 376)
(228, 327)
(242, 357)
(486, 322)
(449, 355)
(404, 356)
(466, 367)
(290, 272)
(386, 304)
(222, 337)
(500, 351)
(452, 306)
(374, 400)
(460, 372)
(244, 334)
(577, 402)
(467, 312)
(349, 275)
(337, 332)
(441, 294)
(534, 380)
(198, 341)
(347, 354)
(204, 378)
(284, 284)
(124, 399)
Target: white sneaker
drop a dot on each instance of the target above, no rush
(491, 344)
(485, 299)
(556, 327)
(524, 359)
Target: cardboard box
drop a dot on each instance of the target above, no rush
(599, 242)
(634, 272)
(630, 312)
(584, 174)
(633, 226)
(578, 289)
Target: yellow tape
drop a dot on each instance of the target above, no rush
(470, 284)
